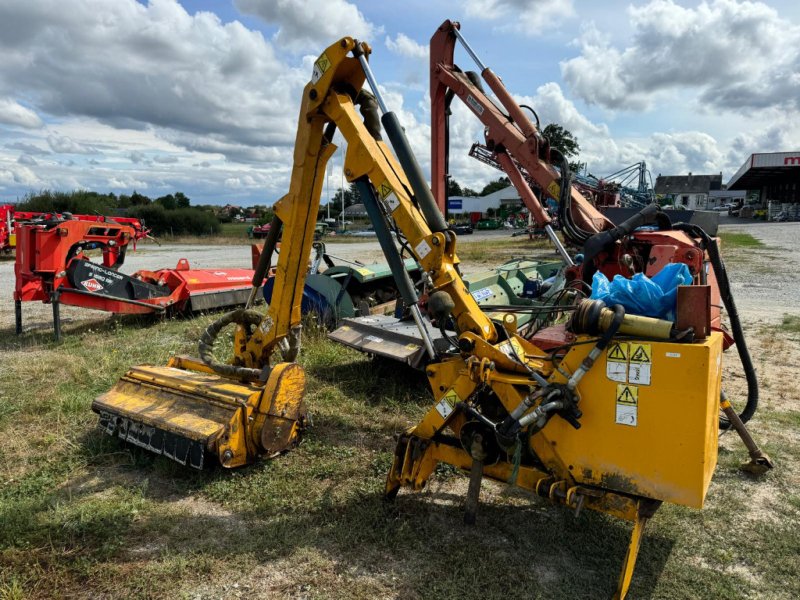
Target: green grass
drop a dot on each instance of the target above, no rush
(235, 230)
(738, 239)
(82, 516)
(791, 323)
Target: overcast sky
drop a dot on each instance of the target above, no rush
(202, 96)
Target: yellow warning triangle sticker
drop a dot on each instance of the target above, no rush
(627, 394)
(451, 397)
(617, 353)
(641, 354)
(384, 190)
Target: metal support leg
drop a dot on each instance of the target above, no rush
(475, 478)
(56, 317)
(18, 316)
(646, 510)
(760, 462)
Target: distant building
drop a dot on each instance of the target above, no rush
(465, 205)
(721, 197)
(774, 179)
(688, 191)
(355, 211)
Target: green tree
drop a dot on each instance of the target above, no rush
(351, 196)
(182, 200)
(453, 188)
(493, 186)
(168, 202)
(563, 139)
(137, 199)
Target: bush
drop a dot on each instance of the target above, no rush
(181, 221)
(79, 202)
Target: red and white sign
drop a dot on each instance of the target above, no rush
(92, 285)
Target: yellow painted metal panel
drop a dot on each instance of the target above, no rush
(658, 439)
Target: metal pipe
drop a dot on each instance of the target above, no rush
(559, 246)
(469, 49)
(423, 330)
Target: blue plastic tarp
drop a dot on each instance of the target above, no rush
(642, 295)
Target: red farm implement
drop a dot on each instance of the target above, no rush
(52, 266)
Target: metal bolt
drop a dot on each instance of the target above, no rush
(227, 456)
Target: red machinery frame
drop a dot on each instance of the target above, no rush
(52, 266)
(514, 144)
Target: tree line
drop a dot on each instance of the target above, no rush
(171, 214)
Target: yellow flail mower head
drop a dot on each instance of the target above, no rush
(187, 414)
(192, 409)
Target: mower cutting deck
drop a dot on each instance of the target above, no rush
(52, 267)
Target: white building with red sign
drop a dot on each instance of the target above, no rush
(776, 178)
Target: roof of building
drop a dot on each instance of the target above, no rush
(355, 210)
(768, 167)
(688, 184)
(506, 193)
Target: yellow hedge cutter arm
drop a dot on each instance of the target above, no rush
(194, 408)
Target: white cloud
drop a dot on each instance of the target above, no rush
(13, 113)
(166, 159)
(134, 66)
(27, 148)
(27, 159)
(63, 144)
(405, 46)
(311, 25)
(736, 55)
(526, 16)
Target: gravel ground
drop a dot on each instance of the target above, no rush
(764, 279)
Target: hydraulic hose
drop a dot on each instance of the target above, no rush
(721, 273)
(599, 241)
(242, 317)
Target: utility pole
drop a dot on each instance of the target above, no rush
(342, 187)
(328, 186)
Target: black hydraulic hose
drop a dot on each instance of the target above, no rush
(599, 241)
(535, 116)
(242, 317)
(733, 314)
(572, 231)
(265, 260)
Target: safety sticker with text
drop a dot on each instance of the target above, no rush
(423, 249)
(322, 65)
(640, 367)
(386, 193)
(447, 403)
(627, 405)
(617, 362)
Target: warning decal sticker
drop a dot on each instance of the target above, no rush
(322, 65)
(617, 362)
(391, 202)
(445, 406)
(627, 412)
(641, 353)
(384, 190)
(640, 367)
(423, 249)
